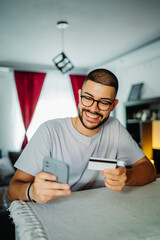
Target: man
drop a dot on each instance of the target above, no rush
(92, 133)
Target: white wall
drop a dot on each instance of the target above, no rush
(11, 125)
(142, 65)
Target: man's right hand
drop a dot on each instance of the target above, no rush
(44, 188)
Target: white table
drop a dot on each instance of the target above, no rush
(98, 214)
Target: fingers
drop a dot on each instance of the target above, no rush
(46, 176)
(45, 188)
(116, 171)
(49, 184)
(56, 193)
(115, 179)
(56, 185)
(47, 194)
(114, 188)
(110, 176)
(111, 182)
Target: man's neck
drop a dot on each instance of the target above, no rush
(77, 124)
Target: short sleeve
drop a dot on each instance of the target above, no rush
(39, 147)
(128, 149)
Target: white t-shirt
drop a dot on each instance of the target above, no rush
(60, 140)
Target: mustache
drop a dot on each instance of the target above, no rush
(86, 110)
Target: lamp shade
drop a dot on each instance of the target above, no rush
(63, 63)
(156, 134)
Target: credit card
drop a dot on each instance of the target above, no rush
(101, 163)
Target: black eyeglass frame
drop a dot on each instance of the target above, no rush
(98, 101)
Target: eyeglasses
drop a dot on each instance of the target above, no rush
(103, 105)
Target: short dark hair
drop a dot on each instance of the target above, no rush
(103, 76)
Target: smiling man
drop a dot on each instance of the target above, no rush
(93, 113)
(74, 140)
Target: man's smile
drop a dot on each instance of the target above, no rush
(92, 117)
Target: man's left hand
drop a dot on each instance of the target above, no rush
(115, 179)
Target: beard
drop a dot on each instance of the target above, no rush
(80, 114)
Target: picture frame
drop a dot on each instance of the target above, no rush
(135, 92)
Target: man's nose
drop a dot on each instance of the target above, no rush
(94, 107)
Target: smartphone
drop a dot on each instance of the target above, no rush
(57, 168)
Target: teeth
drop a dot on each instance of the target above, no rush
(91, 116)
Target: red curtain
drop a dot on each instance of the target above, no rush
(29, 85)
(77, 82)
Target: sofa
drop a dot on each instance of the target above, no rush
(6, 173)
(7, 166)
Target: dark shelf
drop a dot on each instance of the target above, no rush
(142, 102)
(141, 131)
(138, 121)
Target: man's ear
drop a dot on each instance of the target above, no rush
(79, 92)
(116, 101)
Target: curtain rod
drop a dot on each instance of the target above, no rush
(20, 68)
(10, 68)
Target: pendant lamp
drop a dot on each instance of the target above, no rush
(61, 61)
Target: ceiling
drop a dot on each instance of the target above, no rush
(99, 30)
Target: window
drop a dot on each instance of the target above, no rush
(56, 101)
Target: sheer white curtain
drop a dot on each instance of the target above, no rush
(56, 101)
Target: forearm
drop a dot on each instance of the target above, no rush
(141, 174)
(18, 186)
(17, 190)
